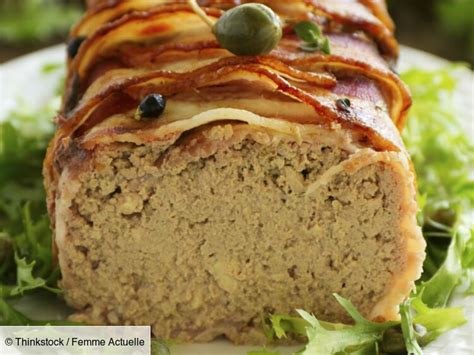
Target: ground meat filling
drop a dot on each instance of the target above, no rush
(201, 244)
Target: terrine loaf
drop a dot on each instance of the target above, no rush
(194, 190)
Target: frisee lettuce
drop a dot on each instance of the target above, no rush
(408, 330)
(25, 236)
(332, 338)
(437, 290)
(442, 154)
(419, 325)
(363, 337)
(434, 321)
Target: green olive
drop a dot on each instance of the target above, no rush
(249, 29)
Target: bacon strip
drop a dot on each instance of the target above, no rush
(166, 20)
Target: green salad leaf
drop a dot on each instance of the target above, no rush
(26, 281)
(437, 290)
(408, 329)
(440, 149)
(25, 237)
(10, 316)
(361, 337)
(434, 321)
(419, 326)
(27, 21)
(442, 154)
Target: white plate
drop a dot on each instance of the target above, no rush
(22, 78)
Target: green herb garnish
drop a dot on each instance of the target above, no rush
(313, 38)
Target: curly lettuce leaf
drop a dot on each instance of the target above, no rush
(283, 324)
(25, 250)
(442, 154)
(468, 264)
(331, 338)
(32, 257)
(361, 337)
(435, 321)
(419, 325)
(437, 290)
(26, 281)
(440, 149)
(25, 236)
(408, 329)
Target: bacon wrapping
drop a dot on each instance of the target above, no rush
(268, 183)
